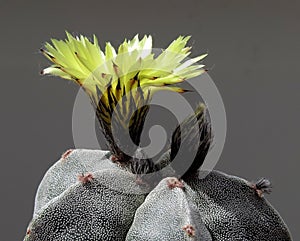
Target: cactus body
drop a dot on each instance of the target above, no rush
(232, 210)
(166, 214)
(110, 205)
(64, 173)
(100, 209)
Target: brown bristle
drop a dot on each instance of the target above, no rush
(174, 182)
(85, 178)
(66, 154)
(189, 229)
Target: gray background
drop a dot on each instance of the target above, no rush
(253, 49)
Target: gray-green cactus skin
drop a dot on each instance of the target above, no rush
(164, 214)
(233, 210)
(111, 205)
(65, 172)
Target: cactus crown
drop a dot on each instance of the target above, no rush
(120, 83)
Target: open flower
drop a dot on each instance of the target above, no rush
(121, 82)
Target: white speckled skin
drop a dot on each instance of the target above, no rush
(163, 215)
(91, 211)
(64, 173)
(112, 206)
(232, 210)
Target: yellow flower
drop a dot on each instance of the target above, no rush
(122, 81)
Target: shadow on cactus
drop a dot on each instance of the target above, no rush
(122, 194)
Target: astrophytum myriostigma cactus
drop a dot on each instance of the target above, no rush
(112, 206)
(121, 194)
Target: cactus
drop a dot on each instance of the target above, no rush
(168, 213)
(112, 206)
(82, 211)
(122, 194)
